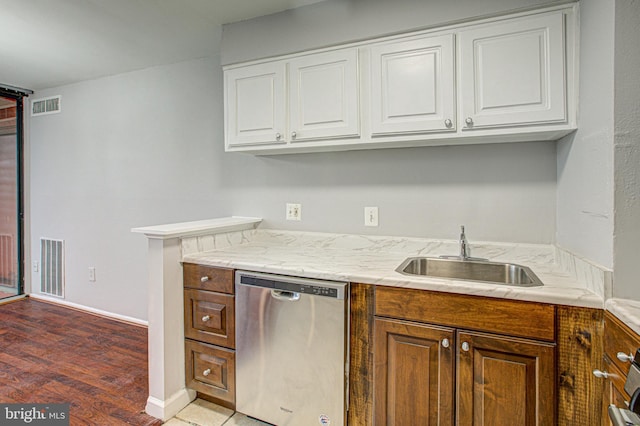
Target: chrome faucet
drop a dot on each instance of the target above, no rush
(465, 249)
(465, 252)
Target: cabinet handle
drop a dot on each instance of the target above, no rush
(278, 136)
(600, 374)
(465, 346)
(206, 372)
(445, 343)
(293, 135)
(206, 318)
(447, 122)
(624, 357)
(204, 279)
(469, 121)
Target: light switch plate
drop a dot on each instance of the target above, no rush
(370, 216)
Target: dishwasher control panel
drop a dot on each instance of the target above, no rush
(303, 286)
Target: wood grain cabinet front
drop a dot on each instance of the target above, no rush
(438, 373)
(211, 371)
(619, 339)
(209, 328)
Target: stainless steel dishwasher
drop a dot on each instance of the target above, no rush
(291, 349)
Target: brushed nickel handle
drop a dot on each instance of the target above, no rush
(278, 136)
(206, 372)
(206, 318)
(204, 279)
(445, 343)
(447, 122)
(600, 374)
(469, 121)
(465, 346)
(293, 135)
(624, 357)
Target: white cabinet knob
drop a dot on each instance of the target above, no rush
(293, 135)
(601, 374)
(445, 343)
(624, 357)
(465, 346)
(278, 136)
(447, 122)
(204, 279)
(206, 318)
(206, 372)
(469, 121)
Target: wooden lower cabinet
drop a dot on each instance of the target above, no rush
(210, 370)
(504, 381)
(413, 373)
(422, 370)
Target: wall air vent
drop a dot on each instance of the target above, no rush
(52, 267)
(51, 105)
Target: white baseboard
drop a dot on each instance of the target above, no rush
(111, 315)
(164, 410)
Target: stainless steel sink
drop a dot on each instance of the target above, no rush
(492, 272)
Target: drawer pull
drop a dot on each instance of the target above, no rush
(624, 357)
(206, 372)
(601, 374)
(204, 279)
(445, 343)
(206, 318)
(465, 346)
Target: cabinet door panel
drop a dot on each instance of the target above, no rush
(413, 376)
(513, 73)
(505, 381)
(412, 86)
(209, 317)
(255, 104)
(323, 96)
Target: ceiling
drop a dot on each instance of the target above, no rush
(48, 43)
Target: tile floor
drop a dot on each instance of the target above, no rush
(204, 413)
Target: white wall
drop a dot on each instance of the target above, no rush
(585, 158)
(627, 150)
(147, 147)
(130, 150)
(337, 21)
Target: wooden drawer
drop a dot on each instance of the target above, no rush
(508, 317)
(618, 337)
(210, 317)
(210, 370)
(208, 278)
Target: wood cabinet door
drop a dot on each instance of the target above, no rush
(412, 86)
(255, 109)
(512, 73)
(413, 374)
(504, 381)
(210, 317)
(323, 96)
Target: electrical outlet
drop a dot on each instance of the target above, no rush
(294, 211)
(370, 216)
(92, 274)
(35, 266)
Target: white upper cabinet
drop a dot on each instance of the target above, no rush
(500, 79)
(285, 102)
(323, 96)
(255, 110)
(413, 86)
(513, 73)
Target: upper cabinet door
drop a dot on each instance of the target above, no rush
(513, 73)
(255, 110)
(412, 86)
(323, 96)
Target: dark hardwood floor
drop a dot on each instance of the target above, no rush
(51, 354)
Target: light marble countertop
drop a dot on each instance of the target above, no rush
(627, 311)
(373, 260)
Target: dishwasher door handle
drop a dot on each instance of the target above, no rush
(285, 295)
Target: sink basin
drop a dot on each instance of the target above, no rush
(492, 272)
